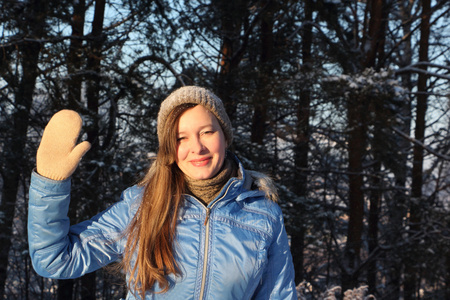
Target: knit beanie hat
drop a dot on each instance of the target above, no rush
(195, 95)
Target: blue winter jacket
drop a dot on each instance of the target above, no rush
(235, 248)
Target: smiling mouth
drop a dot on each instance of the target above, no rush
(200, 162)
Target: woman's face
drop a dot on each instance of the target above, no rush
(200, 143)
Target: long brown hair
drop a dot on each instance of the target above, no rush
(151, 232)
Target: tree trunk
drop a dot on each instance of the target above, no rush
(75, 57)
(377, 27)
(356, 146)
(411, 278)
(375, 59)
(263, 86)
(65, 289)
(232, 16)
(357, 121)
(88, 286)
(375, 203)
(74, 65)
(447, 279)
(15, 168)
(301, 148)
(397, 203)
(14, 153)
(93, 83)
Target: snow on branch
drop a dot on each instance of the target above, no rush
(417, 68)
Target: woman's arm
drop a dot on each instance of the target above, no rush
(59, 250)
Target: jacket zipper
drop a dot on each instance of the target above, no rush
(205, 258)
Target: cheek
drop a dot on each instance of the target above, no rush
(181, 152)
(223, 143)
(220, 146)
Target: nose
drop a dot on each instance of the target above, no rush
(197, 145)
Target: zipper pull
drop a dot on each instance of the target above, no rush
(208, 211)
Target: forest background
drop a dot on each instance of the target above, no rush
(344, 103)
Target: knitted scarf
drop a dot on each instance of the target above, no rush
(206, 190)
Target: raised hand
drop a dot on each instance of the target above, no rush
(58, 155)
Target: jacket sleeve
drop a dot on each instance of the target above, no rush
(278, 278)
(61, 251)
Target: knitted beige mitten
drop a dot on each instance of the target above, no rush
(58, 155)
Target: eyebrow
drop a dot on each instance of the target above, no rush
(201, 128)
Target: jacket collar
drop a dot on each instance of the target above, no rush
(252, 184)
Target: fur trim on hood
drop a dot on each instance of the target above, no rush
(262, 182)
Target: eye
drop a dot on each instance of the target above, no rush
(208, 132)
(180, 139)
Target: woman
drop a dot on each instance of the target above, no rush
(199, 226)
